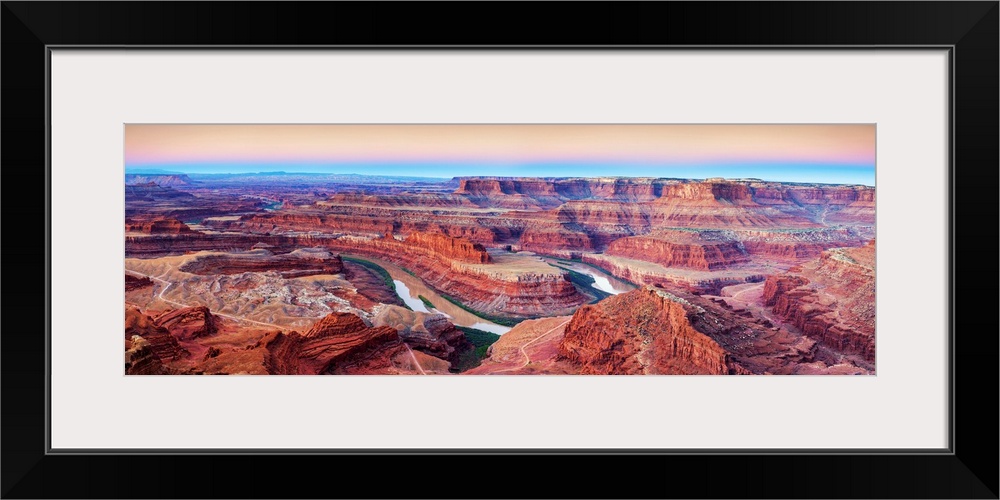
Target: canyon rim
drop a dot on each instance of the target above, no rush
(499, 249)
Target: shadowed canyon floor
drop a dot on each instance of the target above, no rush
(318, 274)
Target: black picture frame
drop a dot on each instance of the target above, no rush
(969, 30)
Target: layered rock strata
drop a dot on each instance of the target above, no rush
(161, 342)
(701, 255)
(430, 333)
(340, 343)
(830, 299)
(301, 262)
(645, 331)
(188, 322)
(483, 287)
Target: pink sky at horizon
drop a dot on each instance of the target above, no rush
(173, 144)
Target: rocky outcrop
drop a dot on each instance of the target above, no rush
(359, 221)
(778, 286)
(364, 351)
(824, 195)
(635, 189)
(630, 190)
(634, 271)
(179, 244)
(512, 193)
(451, 248)
(595, 215)
(693, 255)
(301, 262)
(140, 358)
(433, 334)
(711, 193)
(436, 200)
(337, 344)
(162, 225)
(555, 241)
(370, 286)
(830, 299)
(188, 323)
(585, 214)
(793, 251)
(136, 282)
(364, 221)
(336, 324)
(340, 343)
(161, 342)
(645, 331)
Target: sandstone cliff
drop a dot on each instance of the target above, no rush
(555, 241)
(140, 358)
(645, 331)
(301, 262)
(693, 255)
(188, 322)
(340, 343)
(483, 287)
(430, 333)
(160, 341)
(161, 225)
(831, 299)
(451, 248)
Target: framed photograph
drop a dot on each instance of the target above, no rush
(725, 251)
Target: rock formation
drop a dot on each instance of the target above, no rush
(140, 358)
(430, 333)
(641, 272)
(645, 331)
(136, 282)
(301, 262)
(273, 247)
(188, 323)
(555, 241)
(449, 247)
(340, 343)
(483, 287)
(159, 225)
(831, 299)
(161, 342)
(694, 255)
(370, 286)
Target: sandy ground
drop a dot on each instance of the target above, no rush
(260, 299)
(506, 264)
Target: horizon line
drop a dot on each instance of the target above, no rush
(498, 177)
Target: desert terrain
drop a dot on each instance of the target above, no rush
(281, 273)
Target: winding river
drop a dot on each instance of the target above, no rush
(602, 281)
(409, 288)
(410, 300)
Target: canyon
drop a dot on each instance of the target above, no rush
(322, 274)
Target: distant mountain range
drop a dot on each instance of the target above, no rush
(317, 177)
(165, 180)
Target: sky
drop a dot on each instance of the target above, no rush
(837, 154)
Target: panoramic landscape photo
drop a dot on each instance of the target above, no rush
(499, 249)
